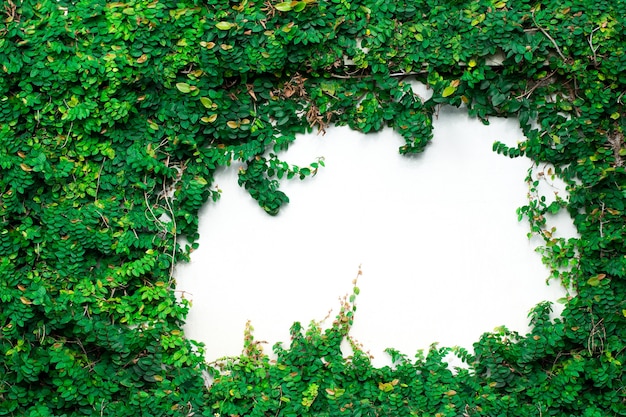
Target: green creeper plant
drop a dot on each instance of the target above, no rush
(115, 116)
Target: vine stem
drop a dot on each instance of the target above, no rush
(406, 74)
(175, 235)
(395, 74)
(593, 48)
(549, 37)
(541, 82)
(98, 182)
(347, 77)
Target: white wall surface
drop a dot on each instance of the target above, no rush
(444, 258)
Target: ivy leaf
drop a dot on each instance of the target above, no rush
(385, 386)
(225, 25)
(448, 91)
(284, 6)
(183, 87)
(209, 119)
(498, 99)
(299, 6)
(595, 280)
(206, 102)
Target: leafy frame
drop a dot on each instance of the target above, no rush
(114, 117)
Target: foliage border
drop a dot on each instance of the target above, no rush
(114, 117)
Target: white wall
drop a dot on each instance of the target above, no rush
(444, 258)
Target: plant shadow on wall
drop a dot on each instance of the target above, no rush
(114, 117)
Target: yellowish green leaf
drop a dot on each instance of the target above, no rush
(385, 386)
(206, 102)
(225, 25)
(299, 6)
(448, 91)
(478, 19)
(183, 87)
(284, 6)
(595, 280)
(209, 119)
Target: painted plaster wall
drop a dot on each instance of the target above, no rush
(443, 255)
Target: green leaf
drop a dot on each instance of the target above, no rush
(448, 91)
(183, 87)
(209, 119)
(299, 6)
(206, 102)
(225, 25)
(284, 6)
(498, 99)
(595, 280)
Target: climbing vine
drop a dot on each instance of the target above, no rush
(115, 116)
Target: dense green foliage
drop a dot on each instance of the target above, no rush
(114, 118)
